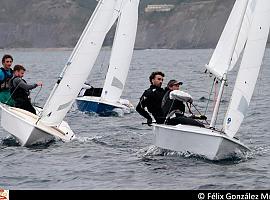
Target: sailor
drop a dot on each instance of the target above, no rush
(6, 74)
(151, 99)
(168, 104)
(19, 89)
(173, 106)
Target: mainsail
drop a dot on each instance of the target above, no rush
(80, 64)
(232, 40)
(122, 51)
(249, 68)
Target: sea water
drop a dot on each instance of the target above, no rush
(117, 152)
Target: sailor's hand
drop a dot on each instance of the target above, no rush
(203, 117)
(39, 83)
(149, 122)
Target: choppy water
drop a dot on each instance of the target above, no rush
(117, 152)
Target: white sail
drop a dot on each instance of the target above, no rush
(249, 68)
(79, 65)
(116, 13)
(241, 40)
(232, 40)
(122, 51)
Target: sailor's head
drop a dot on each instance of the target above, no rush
(174, 84)
(156, 78)
(19, 71)
(7, 61)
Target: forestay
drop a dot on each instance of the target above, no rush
(249, 68)
(122, 51)
(233, 39)
(80, 64)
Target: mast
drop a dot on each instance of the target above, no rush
(224, 78)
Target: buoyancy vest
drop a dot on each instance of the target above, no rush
(4, 84)
(18, 93)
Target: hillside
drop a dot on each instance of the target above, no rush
(59, 23)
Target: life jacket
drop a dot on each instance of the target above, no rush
(18, 93)
(4, 84)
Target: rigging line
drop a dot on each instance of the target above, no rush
(199, 112)
(215, 94)
(189, 108)
(196, 44)
(196, 108)
(34, 102)
(211, 90)
(168, 115)
(13, 91)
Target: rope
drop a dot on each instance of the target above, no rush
(211, 90)
(34, 102)
(168, 115)
(198, 112)
(13, 92)
(195, 108)
(215, 95)
(189, 108)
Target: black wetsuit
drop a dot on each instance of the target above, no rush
(169, 105)
(151, 99)
(19, 90)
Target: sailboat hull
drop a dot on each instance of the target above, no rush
(96, 105)
(201, 141)
(22, 125)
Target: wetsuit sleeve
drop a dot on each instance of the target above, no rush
(22, 84)
(2, 76)
(140, 108)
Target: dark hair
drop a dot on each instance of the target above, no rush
(18, 68)
(6, 56)
(152, 76)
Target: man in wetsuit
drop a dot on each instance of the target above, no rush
(20, 90)
(152, 98)
(168, 104)
(174, 109)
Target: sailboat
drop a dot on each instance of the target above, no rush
(48, 123)
(246, 31)
(106, 100)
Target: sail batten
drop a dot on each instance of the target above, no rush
(249, 68)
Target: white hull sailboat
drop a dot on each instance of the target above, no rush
(246, 31)
(29, 128)
(110, 99)
(204, 142)
(26, 129)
